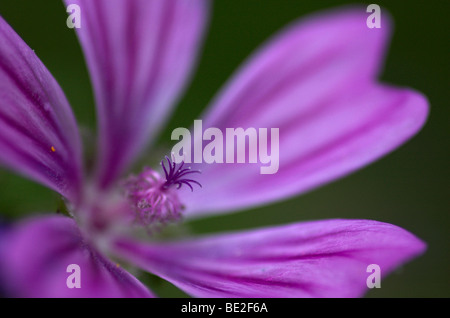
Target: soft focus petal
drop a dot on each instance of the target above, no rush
(139, 54)
(316, 83)
(36, 254)
(315, 259)
(38, 133)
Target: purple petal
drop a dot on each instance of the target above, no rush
(38, 133)
(36, 254)
(314, 259)
(140, 54)
(316, 83)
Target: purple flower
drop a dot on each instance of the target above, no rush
(316, 81)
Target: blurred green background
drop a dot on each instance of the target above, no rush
(409, 188)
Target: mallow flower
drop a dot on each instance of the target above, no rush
(316, 81)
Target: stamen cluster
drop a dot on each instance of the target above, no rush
(153, 198)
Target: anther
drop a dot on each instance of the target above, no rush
(153, 197)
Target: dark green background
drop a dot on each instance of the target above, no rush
(409, 188)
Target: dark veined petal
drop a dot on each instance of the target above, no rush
(316, 83)
(35, 256)
(139, 54)
(38, 132)
(313, 259)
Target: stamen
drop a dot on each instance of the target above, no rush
(153, 197)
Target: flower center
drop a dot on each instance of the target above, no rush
(153, 197)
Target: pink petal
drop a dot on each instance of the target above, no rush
(36, 254)
(313, 259)
(38, 132)
(316, 83)
(140, 54)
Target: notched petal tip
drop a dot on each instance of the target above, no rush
(312, 259)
